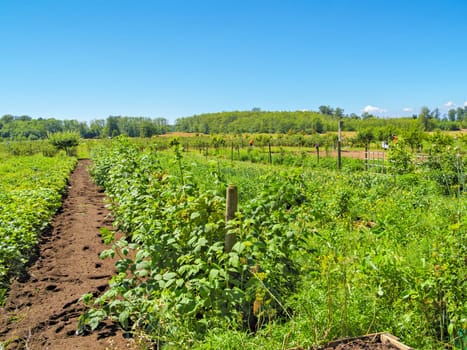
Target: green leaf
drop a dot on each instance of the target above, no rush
(107, 235)
(143, 265)
(123, 318)
(234, 260)
(201, 242)
(451, 329)
(107, 253)
(213, 274)
(180, 282)
(169, 275)
(194, 215)
(142, 273)
(141, 254)
(94, 323)
(86, 298)
(210, 227)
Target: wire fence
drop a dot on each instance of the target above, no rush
(376, 160)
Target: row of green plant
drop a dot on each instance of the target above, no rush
(56, 142)
(319, 254)
(31, 190)
(441, 161)
(180, 266)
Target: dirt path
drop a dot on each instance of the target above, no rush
(42, 309)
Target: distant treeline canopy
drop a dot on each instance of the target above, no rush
(257, 121)
(27, 128)
(236, 122)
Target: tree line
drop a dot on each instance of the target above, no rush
(236, 122)
(28, 128)
(324, 120)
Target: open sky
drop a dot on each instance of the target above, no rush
(88, 59)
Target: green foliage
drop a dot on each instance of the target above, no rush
(364, 137)
(180, 269)
(413, 137)
(31, 189)
(26, 128)
(257, 122)
(400, 158)
(67, 141)
(134, 126)
(445, 165)
(309, 122)
(319, 254)
(28, 148)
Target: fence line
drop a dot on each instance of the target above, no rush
(375, 160)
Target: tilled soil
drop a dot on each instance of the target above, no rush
(368, 342)
(43, 305)
(363, 345)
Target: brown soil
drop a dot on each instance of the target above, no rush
(181, 134)
(362, 344)
(361, 154)
(43, 305)
(368, 342)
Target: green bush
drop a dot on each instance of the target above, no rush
(67, 141)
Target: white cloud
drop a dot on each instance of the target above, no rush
(449, 104)
(374, 109)
(407, 109)
(465, 104)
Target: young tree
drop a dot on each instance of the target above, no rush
(67, 141)
(452, 114)
(400, 158)
(327, 110)
(460, 112)
(365, 137)
(414, 138)
(339, 112)
(423, 118)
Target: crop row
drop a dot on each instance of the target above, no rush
(318, 255)
(31, 189)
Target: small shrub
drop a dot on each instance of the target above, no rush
(67, 141)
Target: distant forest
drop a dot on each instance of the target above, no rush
(326, 119)
(27, 128)
(236, 122)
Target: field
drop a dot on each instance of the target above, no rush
(319, 254)
(31, 189)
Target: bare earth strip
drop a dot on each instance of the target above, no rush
(43, 306)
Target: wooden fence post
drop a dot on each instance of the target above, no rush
(384, 166)
(366, 157)
(339, 146)
(270, 153)
(230, 210)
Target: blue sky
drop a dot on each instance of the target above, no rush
(88, 59)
